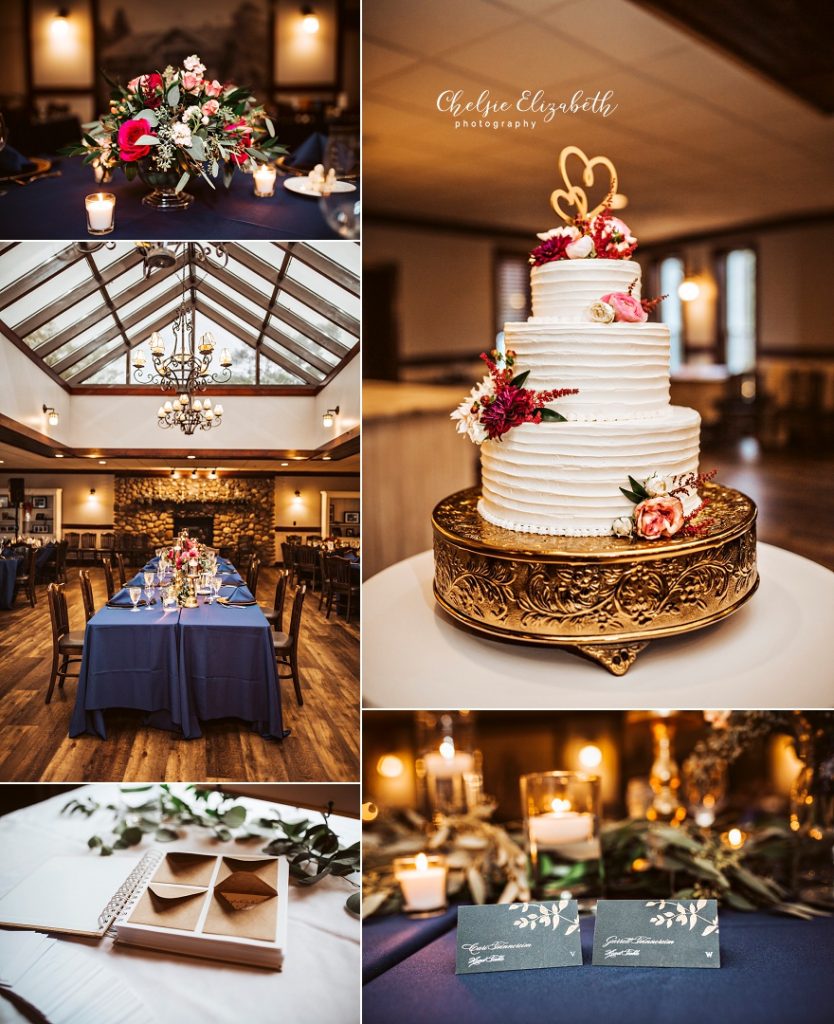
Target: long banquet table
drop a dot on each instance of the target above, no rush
(183, 666)
(54, 207)
(773, 969)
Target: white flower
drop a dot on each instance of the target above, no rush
(468, 412)
(566, 231)
(194, 64)
(191, 114)
(581, 248)
(182, 135)
(623, 526)
(600, 312)
(657, 485)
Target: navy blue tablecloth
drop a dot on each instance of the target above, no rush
(44, 556)
(182, 666)
(9, 571)
(387, 941)
(773, 970)
(54, 208)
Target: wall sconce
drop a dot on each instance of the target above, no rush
(92, 491)
(59, 26)
(688, 289)
(213, 475)
(329, 418)
(309, 21)
(297, 494)
(52, 417)
(193, 474)
(173, 474)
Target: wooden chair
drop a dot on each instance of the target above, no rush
(285, 645)
(61, 562)
(307, 565)
(325, 578)
(276, 617)
(120, 563)
(109, 585)
(342, 582)
(26, 581)
(73, 545)
(88, 547)
(67, 647)
(245, 548)
(287, 559)
(106, 543)
(87, 594)
(252, 576)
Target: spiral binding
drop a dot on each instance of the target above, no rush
(125, 896)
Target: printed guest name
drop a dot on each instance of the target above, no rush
(530, 102)
(638, 940)
(475, 947)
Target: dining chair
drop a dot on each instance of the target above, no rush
(109, 585)
(307, 565)
(26, 581)
(87, 594)
(342, 583)
(61, 562)
(285, 645)
(325, 577)
(276, 617)
(88, 547)
(287, 559)
(120, 562)
(73, 545)
(252, 576)
(67, 647)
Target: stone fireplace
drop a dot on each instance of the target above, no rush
(224, 510)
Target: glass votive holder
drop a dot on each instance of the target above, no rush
(562, 830)
(101, 213)
(422, 879)
(264, 177)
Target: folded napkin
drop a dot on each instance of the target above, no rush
(309, 153)
(122, 600)
(241, 597)
(12, 162)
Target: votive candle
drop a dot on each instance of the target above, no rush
(265, 180)
(422, 880)
(101, 213)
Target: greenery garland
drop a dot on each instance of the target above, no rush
(314, 851)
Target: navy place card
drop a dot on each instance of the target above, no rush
(518, 937)
(656, 933)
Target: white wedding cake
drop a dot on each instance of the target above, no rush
(565, 478)
(558, 463)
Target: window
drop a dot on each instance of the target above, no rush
(512, 289)
(738, 310)
(670, 273)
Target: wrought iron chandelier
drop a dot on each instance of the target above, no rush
(160, 255)
(189, 414)
(187, 368)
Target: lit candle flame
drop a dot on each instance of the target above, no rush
(735, 838)
(421, 862)
(447, 748)
(560, 806)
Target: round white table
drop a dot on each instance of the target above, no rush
(774, 652)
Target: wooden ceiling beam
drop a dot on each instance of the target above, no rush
(324, 265)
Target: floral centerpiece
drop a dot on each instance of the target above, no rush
(603, 237)
(664, 506)
(171, 126)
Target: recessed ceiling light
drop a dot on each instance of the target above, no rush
(326, 458)
(285, 463)
(102, 462)
(191, 456)
(58, 455)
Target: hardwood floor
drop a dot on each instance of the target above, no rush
(794, 492)
(34, 745)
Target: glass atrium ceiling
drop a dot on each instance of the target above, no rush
(287, 312)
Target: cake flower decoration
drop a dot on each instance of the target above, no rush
(623, 307)
(663, 507)
(501, 402)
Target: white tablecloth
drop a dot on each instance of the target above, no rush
(773, 652)
(320, 980)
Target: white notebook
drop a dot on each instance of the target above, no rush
(80, 894)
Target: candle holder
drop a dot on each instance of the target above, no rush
(562, 832)
(191, 598)
(264, 177)
(101, 213)
(422, 879)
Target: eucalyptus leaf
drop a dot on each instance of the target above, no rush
(147, 140)
(149, 116)
(234, 817)
(270, 127)
(173, 95)
(166, 835)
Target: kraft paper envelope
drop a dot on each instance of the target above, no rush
(244, 902)
(170, 906)
(185, 869)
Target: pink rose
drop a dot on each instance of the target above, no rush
(213, 88)
(190, 82)
(210, 108)
(129, 132)
(658, 517)
(134, 83)
(626, 308)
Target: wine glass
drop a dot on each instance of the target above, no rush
(343, 213)
(135, 594)
(216, 583)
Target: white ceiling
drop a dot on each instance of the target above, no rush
(700, 141)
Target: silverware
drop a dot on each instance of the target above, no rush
(36, 177)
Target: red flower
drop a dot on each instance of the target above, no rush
(244, 133)
(129, 132)
(551, 249)
(152, 90)
(509, 408)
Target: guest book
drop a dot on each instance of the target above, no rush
(225, 908)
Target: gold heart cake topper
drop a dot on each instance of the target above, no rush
(575, 195)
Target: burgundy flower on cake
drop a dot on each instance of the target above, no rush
(603, 237)
(129, 132)
(658, 517)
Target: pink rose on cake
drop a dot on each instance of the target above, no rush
(658, 517)
(626, 308)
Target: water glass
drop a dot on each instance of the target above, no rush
(135, 593)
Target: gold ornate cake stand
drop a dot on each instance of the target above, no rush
(603, 598)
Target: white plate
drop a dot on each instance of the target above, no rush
(303, 187)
